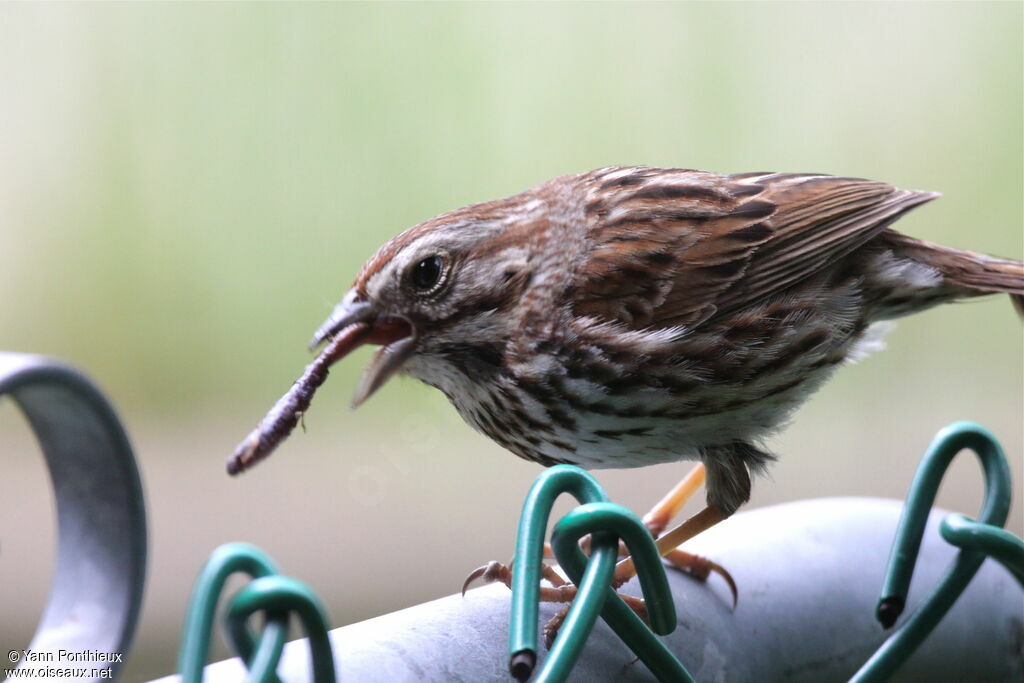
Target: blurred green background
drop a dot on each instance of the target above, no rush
(186, 190)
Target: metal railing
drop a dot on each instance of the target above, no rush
(101, 515)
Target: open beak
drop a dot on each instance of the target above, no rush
(350, 311)
(356, 319)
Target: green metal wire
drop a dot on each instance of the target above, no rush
(607, 523)
(999, 544)
(592, 590)
(195, 639)
(602, 518)
(276, 596)
(947, 443)
(625, 525)
(529, 555)
(595, 597)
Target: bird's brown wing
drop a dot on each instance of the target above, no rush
(678, 247)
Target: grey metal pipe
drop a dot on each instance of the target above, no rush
(808, 573)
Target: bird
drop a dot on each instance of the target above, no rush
(631, 316)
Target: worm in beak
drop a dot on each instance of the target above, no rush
(352, 324)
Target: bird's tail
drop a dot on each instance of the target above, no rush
(963, 273)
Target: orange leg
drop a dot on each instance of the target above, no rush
(662, 514)
(669, 506)
(702, 521)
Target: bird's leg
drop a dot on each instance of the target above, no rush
(728, 480)
(702, 521)
(668, 507)
(665, 511)
(659, 517)
(661, 514)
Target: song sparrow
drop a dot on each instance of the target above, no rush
(632, 316)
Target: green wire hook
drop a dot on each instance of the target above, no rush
(529, 555)
(593, 578)
(595, 518)
(277, 596)
(946, 444)
(999, 544)
(195, 640)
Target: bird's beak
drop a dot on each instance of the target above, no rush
(396, 336)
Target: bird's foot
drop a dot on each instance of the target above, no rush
(697, 566)
(561, 591)
(700, 568)
(558, 591)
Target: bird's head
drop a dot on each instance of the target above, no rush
(439, 295)
(443, 300)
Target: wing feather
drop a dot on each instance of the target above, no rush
(672, 247)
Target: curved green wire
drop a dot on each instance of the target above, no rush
(276, 596)
(999, 544)
(602, 518)
(262, 664)
(594, 596)
(623, 524)
(279, 596)
(198, 627)
(591, 597)
(947, 443)
(529, 555)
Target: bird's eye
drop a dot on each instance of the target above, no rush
(427, 273)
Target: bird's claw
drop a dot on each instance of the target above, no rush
(491, 572)
(559, 591)
(724, 573)
(551, 627)
(701, 568)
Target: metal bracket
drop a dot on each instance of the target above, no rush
(101, 514)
